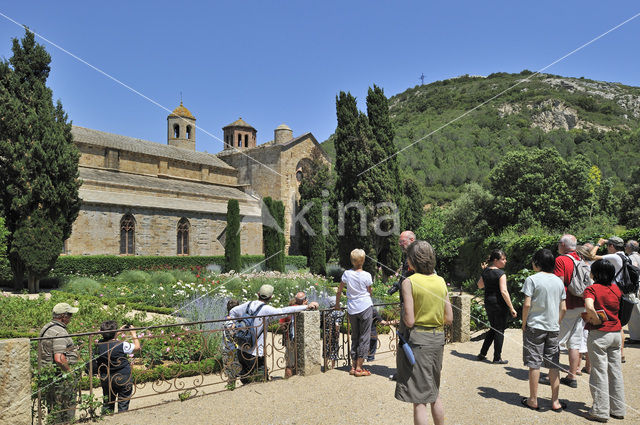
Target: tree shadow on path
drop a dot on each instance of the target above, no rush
(521, 374)
(466, 356)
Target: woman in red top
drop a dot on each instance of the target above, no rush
(602, 302)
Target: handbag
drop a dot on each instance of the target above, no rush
(626, 308)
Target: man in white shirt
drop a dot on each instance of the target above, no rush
(615, 246)
(252, 358)
(631, 248)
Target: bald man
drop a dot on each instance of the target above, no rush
(406, 238)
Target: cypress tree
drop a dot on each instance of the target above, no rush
(272, 236)
(317, 252)
(413, 205)
(38, 164)
(232, 239)
(315, 188)
(353, 155)
(387, 187)
(279, 258)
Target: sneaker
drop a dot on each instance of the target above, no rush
(500, 361)
(480, 357)
(544, 380)
(617, 416)
(569, 382)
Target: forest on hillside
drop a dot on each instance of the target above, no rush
(574, 116)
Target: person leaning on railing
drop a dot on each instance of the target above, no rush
(61, 352)
(251, 359)
(425, 312)
(113, 367)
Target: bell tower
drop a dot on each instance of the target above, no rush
(239, 135)
(181, 129)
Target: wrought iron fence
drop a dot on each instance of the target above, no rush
(336, 334)
(176, 362)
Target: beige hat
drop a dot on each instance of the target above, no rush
(61, 308)
(266, 291)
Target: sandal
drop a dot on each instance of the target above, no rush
(562, 407)
(352, 371)
(362, 372)
(525, 402)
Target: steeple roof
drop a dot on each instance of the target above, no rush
(183, 112)
(239, 123)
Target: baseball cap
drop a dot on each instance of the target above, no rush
(266, 291)
(615, 241)
(61, 308)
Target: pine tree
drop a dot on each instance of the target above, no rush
(232, 259)
(38, 164)
(388, 185)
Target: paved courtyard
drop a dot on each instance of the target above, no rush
(473, 393)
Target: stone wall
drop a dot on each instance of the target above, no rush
(138, 163)
(15, 382)
(264, 182)
(97, 231)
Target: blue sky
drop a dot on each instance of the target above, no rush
(274, 62)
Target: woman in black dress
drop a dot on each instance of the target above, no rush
(497, 302)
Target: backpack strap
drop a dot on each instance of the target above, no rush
(49, 327)
(624, 259)
(255, 313)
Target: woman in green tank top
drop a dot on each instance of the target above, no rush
(426, 310)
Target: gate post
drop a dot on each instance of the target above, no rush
(308, 342)
(461, 328)
(15, 382)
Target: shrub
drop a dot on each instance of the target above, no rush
(133, 276)
(162, 278)
(184, 276)
(82, 286)
(111, 265)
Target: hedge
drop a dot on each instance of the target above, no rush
(111, 265)
(520, 250)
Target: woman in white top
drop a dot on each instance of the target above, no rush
(360, 310)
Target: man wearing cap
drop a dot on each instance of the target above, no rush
(252, 358)
(61, 353)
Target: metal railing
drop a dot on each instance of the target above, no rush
(176, 362)
(336, 335)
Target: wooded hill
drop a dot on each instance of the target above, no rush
(573, 115)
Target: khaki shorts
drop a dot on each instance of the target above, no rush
(571, 331)
(540, 348)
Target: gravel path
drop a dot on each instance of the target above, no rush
(473, 393)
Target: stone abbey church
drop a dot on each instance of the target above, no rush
(147, 198)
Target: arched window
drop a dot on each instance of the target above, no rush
(246, 140)
(189, 132)
(176, 131)
(183, 236)
(239, 140)
(127, 235)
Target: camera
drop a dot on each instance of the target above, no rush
(394, 288)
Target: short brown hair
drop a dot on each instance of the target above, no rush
(422, 257)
